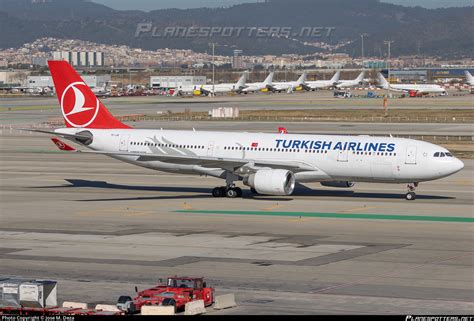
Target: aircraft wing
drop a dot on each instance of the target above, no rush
(69, 136)
(241, 166)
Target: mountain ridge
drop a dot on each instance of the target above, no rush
(415, 30)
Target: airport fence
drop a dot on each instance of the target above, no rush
(371, 119)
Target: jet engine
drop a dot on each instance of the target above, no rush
(272, 182)
(338, 184)
(84, 137)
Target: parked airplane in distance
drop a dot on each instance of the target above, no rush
(289, 86)
(422, 89)
(268, 163)
(352, 83)
(102, 91)
(259, 86)
(226, 87)
(469, 78)
(323, 84)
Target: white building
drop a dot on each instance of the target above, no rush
(176, 82)
(47, 81)
(81, 58)
(13, 77)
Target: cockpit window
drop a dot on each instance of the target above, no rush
(441, 154)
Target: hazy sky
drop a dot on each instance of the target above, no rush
(148, 5)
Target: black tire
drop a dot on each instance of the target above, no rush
(410, 196)
(169, 302)
(231, 193)
(239, 191)
(254, 191)
(223, 191)
(217, 192)
(132, 309)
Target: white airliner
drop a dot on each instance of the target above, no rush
(102, 91)
(323, 84)
(226, 87)
(259, 86)
(352, 83)
(270, 164)
(289, 86)
(420, 89)
(469, 78)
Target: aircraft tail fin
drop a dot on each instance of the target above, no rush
(469, 78)
(361, 76)
(382, 81)
(302, 79)
(335, 78)
(80, 107)
(269, 79)
(243, 80)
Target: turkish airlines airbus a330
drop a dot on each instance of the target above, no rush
(269, 164)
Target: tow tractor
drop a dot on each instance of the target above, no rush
(176, 292)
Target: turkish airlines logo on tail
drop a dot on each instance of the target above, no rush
(79, 106)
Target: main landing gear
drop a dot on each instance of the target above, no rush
(227, 191)
(230, 190)
(410, 195)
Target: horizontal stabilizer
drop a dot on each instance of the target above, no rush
(62, 145)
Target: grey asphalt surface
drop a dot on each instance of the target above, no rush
(100, 227)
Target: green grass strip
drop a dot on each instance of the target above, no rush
(340, 215)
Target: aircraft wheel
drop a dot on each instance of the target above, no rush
(253, 190)
(218, 192)
(231, 193)
(410, 196)
(239, 191)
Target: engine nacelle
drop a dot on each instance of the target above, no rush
(272, 182)
(338, 184)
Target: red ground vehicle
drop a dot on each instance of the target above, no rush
(176, 292)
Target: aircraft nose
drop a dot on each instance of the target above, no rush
(457, 165)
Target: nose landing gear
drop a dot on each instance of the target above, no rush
(411, 195)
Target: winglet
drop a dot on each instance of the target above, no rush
(62, 145)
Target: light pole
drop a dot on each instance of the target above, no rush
(362, 36)
(213, 69)
(389, 43)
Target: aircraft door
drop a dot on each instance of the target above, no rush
(411, 155)
(210, 149)
(124, 139)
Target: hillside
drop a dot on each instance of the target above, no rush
(414, 30)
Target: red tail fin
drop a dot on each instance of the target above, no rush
(282, 130)
(80, 107)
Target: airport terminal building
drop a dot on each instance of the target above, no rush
(176, 82)
(47, 81)
(426, 75)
